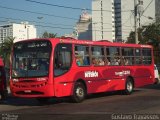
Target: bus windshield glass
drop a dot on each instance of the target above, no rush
(31, 59)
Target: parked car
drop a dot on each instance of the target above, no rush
(3, 84)
(156, 73)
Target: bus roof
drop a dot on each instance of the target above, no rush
(88, 42)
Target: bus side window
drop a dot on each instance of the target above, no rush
(128, 56)
(147, 56)
(62, 58)
(108, 61)
(82, 55)
(78, 60)
(98, 58)
(138, 58)
(94, 61)
(113, 55)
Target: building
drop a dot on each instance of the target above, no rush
(103, 20)
(18, 31)
(124, 19)
(124, 16)
(114, 19)
(118, 20)
(83, 28)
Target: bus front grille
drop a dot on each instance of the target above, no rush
(28, 86)
(29, 93)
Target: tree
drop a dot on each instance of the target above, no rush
(152, 34)
(146, 34)
(49, 35)
(149, 35)
(131, 38)
(5, 49)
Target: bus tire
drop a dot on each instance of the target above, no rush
(42, 100)
(4, 94)
(79, 92)
(129, 86)
(156, 81)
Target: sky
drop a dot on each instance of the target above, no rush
(53, 19)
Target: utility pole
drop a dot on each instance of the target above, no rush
(95, 30)
(135, 21)
(102, 20)
(140, 10)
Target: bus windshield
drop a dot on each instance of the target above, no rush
(31, 59)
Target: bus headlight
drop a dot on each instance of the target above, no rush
(41, 79)
(15, 80)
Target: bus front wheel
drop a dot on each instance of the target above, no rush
(79, 92)
(129, 86)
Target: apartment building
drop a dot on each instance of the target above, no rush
(20, 31)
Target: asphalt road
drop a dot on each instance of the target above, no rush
(144, 102)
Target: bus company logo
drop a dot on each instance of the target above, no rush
(123, 73)
(91, 74)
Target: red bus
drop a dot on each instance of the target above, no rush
(55, 67)
(3, 84)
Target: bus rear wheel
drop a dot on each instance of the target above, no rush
(79, 92)
(129, 86)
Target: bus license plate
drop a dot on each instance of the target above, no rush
(27, 91)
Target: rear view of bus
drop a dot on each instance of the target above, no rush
(30, 69)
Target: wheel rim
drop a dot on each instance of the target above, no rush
(129, 86)
(79, 92)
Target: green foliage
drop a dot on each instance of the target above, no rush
(49, 35)
(148, 35)
(131, 38)
(152, 34)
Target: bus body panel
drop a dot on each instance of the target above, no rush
(64, 84)
(143, 76)
(2, 76)
(21, 91)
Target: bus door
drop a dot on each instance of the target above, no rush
(62, 64)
